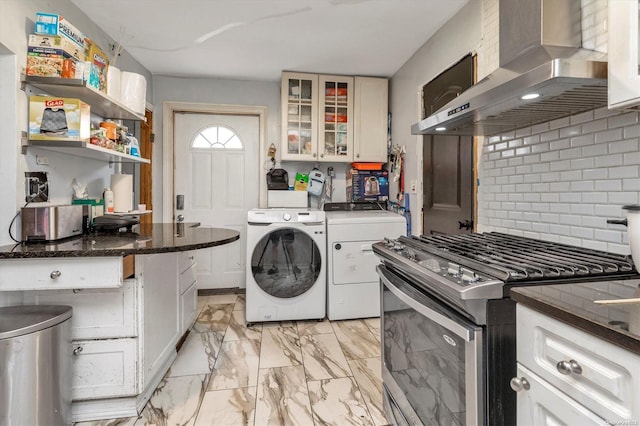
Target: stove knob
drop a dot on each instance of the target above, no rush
(469, 276)
(453, 269)
(286, 216)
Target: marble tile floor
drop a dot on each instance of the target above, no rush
(281, 373)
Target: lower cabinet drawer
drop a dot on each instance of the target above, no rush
(60, 273)
(104, 368)
(543, 405)
(97, 313)
(186, 259)
(594, 372)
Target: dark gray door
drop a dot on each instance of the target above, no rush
(447, 160)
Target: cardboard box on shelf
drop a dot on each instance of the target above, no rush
(47, 62)
(98, 64)
(53, 118)
(67, 47)
(56, 25)
(367, 185)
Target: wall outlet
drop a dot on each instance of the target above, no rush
(42, 161)
(413, 187)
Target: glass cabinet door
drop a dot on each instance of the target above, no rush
(336, 118)
(299, 105)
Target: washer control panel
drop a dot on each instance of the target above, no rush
(285, 215)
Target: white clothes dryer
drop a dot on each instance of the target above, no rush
(286, 268)
(353, 285)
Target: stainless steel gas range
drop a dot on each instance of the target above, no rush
(448, 325)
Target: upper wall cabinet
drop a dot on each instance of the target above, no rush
(624, 56)
(334, 118)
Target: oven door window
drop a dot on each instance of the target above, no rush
(432, 358)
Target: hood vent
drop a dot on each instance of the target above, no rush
(540, 52)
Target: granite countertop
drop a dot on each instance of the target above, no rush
(144, 239)
(574, 305)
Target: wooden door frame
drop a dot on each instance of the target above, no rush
(169, 110)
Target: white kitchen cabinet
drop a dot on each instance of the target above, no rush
(104, 368)
(371, 112)
(103, 313)
(624, 54)
(59, 273)
(544, 405)
(332, 118)
(594, 374)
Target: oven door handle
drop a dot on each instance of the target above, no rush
(461, 331)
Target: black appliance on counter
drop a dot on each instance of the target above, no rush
(114, 223)
(448, 325)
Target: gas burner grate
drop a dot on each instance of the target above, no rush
(513, 258)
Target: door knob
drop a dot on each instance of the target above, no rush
(519, 384)
(179, 218)
(467, 224)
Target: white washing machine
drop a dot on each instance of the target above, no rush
(353, 286)
(286, 268)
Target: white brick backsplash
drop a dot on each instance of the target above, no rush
(631, 131)
(608, 185)
(595, 173)
(570, 175)
(623, 198)
(583, 140)
(622, 120)
(628, 145)
(609, 160)
(594, 150)
(594, 126)
(631, 158)
(581, 118)
(556, 145)
(562, 180)
(609, 135)
(623, 172)
(631, 184)
(582, 163)
(570, 131)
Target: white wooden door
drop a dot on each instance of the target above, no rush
(216, 168)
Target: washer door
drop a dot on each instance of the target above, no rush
(286, 263)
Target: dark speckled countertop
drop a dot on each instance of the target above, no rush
(573, 304)
(144, 239)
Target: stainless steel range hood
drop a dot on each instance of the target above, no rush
(540, 52)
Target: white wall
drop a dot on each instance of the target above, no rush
(461, 35)
(16, 22)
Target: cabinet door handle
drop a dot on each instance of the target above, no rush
(568, 367)
(77, 350)
(519, 384)
(55, 274)
(357, 155)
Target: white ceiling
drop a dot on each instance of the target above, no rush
(257, 39)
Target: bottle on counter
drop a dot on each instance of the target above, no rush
(108, 200)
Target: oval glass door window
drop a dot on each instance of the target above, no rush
(286, 263)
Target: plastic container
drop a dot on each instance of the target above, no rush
(35, 365)
(108, 201)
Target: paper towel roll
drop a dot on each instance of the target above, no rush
(122, 187)
(113, 82)
(133, 91)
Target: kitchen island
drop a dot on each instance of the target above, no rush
(133, 296)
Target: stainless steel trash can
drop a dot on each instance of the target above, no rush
(35, 365)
